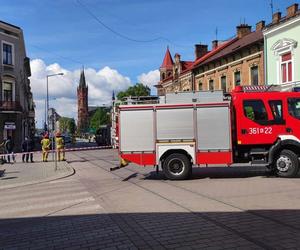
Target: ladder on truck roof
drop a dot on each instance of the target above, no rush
(175, 98)
(191, 97)
(284, 87)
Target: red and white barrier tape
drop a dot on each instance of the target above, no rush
(65, 150)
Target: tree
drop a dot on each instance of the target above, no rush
(67, 124)
(63, 124)
(71, 126)
(100, 117)
(137, 90)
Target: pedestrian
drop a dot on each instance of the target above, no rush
(45, 147)
(2, 152)
(9, 149)
(27, 147)
(60, 147)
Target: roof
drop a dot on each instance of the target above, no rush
(16, 27)
(282, 20)
(186, 65)
(214, 52)
(231, 46)
(82, 83)
(168, 61)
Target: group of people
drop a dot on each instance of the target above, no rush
(7, 146)
(59, 144)
(7, 150)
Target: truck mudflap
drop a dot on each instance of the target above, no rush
(123, 164)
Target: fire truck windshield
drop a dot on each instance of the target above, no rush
(294, 107)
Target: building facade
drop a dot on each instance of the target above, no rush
(282, 51)
(231, 63)
(174, 76)
(82, 100)
(17, 115)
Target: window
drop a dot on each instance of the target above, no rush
(294, 107)
(286, 68)
(223, 83)
(255, 110)
(7, 54)
(211, 85)
(163, 76)
(276, 108)
(254, 75)
(176, 73)
(200, 86)
(7, 92)
(237, 78)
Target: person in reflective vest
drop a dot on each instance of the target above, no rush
(45, 147)
(60, 146)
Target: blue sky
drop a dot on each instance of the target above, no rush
(65, 30)
(61, 36)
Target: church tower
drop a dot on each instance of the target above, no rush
(166, 68)
(82, 98)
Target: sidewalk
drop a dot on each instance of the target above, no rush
(21, 174)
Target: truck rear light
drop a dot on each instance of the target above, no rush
(238, 89)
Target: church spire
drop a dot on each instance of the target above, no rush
(82, 83)
(168, 61)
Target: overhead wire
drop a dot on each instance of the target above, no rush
(160, 38)
(57, 55)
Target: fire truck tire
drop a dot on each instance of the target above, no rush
(177, 167)
(287, 164)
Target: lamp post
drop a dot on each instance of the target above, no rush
(47, 101)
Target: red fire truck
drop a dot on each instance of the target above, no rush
(259, 125)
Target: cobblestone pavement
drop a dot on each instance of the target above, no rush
(133, 208)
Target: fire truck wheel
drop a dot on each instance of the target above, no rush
(177, 167)
(287, 164)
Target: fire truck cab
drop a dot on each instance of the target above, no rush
(259, 125)
(267, 129)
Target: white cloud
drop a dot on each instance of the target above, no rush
(150, 79)
(63, 89)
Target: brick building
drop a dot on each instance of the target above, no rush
(174, 76)
(17, 114)
(82, 99)
(237, 61)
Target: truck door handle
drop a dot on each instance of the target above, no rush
(289, 130)
(244, 131)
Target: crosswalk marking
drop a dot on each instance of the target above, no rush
(53, 198)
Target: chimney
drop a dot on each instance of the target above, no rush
(243, 30)
(276, 17)
(260, 25)
(200, 50)
(291, 10)
(177, 57)
(214, 44)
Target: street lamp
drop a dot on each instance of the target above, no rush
(47, 100)
(53, 153)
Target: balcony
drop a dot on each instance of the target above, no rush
(10, 106)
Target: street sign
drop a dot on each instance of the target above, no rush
(10, 125)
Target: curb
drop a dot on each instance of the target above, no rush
(49, 179)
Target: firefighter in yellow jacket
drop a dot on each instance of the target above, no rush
(45, 146)
(60, 147)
